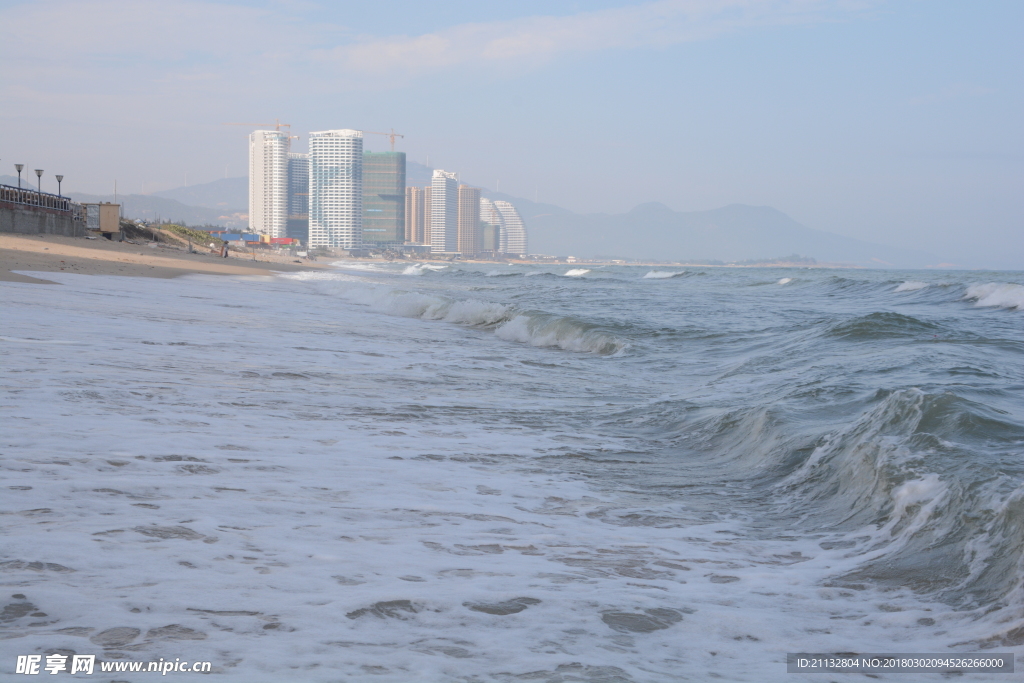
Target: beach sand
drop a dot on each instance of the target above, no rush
(49, 253)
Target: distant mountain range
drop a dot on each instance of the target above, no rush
(732, 233)
(650, 231)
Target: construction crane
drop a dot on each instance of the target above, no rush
(277, 126)
(392, 135)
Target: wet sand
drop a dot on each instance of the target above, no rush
(49, 253)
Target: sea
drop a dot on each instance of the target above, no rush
(479, 473)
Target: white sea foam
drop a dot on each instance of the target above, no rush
(910, 286)
(560, 332)
(577, 272)
(998, 294)
(355, 265)
(784, 281)
(17, 340)
(314, 484)
(423, 268)
(663, 274)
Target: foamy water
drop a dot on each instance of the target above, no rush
(999, 294)
(663, 274)
(358, 475)
(910, 286)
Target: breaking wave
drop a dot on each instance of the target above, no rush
(423, 269)
(784, 281)
(997, 294)
(508, 322)
(564, 332)
(893, 482)
(910, 286)
(577, 272)
(663, 274)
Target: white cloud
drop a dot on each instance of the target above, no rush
(532, 40)
(142, 43)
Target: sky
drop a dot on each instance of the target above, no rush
(894, 121)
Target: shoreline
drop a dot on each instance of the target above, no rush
(53, 254)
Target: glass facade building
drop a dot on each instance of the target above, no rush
(383, 199)
(469, 220)
(298, 197)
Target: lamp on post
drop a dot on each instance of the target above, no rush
(18, 168)
(59, 179)
(39, 176)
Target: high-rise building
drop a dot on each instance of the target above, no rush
(513, 234)
(469, 220)
(490, 227)
(444, 213)
(415, 215)
(428, 203)
(383, 199)
(298, 197)
(336, 189)
(268, 182)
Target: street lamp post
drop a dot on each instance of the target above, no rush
(59, 179)
(18, 168)
(39, 176)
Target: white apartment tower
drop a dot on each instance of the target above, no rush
(268, 182)
(444, 213)
(336, 189)
(513, 233)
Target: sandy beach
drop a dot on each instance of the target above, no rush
(49, 253)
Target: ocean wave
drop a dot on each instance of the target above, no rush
(508, 322)
(784, 281)
(423, 269)
(997, 294)
(663, 274)
(914, 508)
(577, 272)
(910, 286)
(564, 332)
(501, 273)
(882, 325)
(349, 265)
(19, 340)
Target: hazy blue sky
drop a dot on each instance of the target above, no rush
(893, 121)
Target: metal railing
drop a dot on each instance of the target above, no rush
(27, 197)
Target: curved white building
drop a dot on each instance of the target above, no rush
(513, 232)
(336, 189)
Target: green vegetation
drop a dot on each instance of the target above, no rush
(198, 236)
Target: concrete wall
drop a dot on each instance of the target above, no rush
(32, 220)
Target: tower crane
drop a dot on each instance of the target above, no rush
(392, 135)
(277, 126)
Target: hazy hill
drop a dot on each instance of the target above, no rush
(229, 195)
(732, 233)
(151, 208)
(649, 231)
